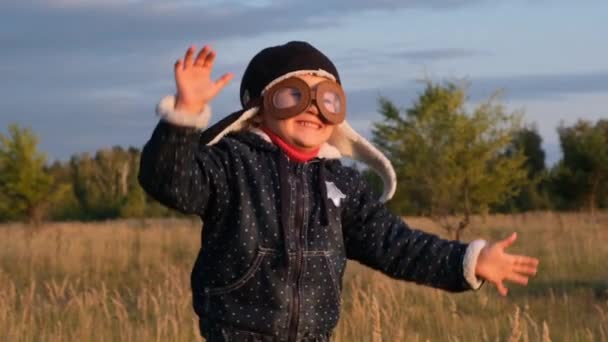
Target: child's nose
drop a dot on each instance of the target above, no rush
(313, 108)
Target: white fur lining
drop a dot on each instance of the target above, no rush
(237, 125)
(328, 151)
(470, 263)
(318, 72)
(352, 144)
(166, 110)
(261, 133)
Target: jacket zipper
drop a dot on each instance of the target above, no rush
(298, 227)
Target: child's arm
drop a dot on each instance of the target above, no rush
(174, 168)
(383, 241)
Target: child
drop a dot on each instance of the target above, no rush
(281, 214)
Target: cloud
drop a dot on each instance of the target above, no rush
(36, 29)
(52, 45)
(514, 88)
(363, 103)
(543, 86)
(349, 6)
(431, 55)
(87, 73)
(37, 25)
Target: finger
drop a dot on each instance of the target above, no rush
(188, 56)
(508, 241)
(502, 289)
(525, 269)
(223, 80)
(200, 57)
(210, 59)
(178, 67)
(526, 261)
(517, 278)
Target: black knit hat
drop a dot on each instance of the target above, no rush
(277, 61)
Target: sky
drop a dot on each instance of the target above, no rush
(86, 75)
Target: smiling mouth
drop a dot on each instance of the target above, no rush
(309, 124)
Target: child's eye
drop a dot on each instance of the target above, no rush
(332, 102)
(295, 94)
(287, 97)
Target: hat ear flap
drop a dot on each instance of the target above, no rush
(233, 122)
(352, 145)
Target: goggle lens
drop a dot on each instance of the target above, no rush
(332, 101)
(286, 97)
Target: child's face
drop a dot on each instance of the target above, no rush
(305, 131)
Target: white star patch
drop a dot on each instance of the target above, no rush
(334, 194)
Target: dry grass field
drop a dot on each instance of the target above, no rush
(130, 281)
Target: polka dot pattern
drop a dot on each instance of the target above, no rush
(383, 241)
(274, 249)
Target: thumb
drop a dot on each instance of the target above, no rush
(508, 241)
(501, 288)
(221, 82)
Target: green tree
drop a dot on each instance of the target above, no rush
(102, 183)
(26, 188)
(530, 142)
(532, 196)
(105, 186)
(581, 177)
(134, 203)
(450, 163)
(66, 207)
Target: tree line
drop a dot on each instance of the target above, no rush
(451, 162)
(88, 187)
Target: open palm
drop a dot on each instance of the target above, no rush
(496, 266)
(195, 88)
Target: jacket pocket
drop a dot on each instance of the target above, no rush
(320, 292)
(240, 281)
(255, 300)
(336, 282)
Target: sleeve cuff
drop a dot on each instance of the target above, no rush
(470, 262)
(166, 110)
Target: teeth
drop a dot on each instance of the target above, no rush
(308, 124)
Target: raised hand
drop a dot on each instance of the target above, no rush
(195, 88)
(496, 266)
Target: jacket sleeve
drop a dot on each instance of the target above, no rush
(383, 241)
(179, 171)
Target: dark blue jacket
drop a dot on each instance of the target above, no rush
(277, 234)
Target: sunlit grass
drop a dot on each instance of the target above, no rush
(130, 281)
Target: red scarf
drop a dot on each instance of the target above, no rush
(290, 150)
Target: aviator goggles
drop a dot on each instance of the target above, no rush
(293, 96)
